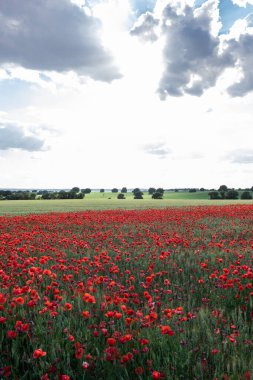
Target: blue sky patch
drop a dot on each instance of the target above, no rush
(14, 93)
(229, 13)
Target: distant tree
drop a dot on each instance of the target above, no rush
(61, 195)
(192, 190)
(102, 190)
(138, 194)
(80, 196)
(86, 191)
(232, 194)
(75, 190)
(246, 195)
(136, 190)
(214, 194)
(124, 190)
(121, 196)
(176, 190)
(46, 195)
(202, 189)
(151, 190)
(32, 195)
(157, 195)
(115, 190)
(160, 190)
(223, 188)
(72, 194)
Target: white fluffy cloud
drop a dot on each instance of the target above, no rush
(242, 3)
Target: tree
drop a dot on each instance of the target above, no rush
(136, 190)
(86, 191)
(115, 190)
(124, 190)
(46, 195)
(138, 194)
(121, 196)
(232, 194)
(202, 189)
(214, 194)
(80, 196)
(192, 190)
(102, 190)
(157, 195)
(151, 190)
(223, 188)
(246, 195)
(32, 195)
(75, 190)
(62, 194)
(160, 190)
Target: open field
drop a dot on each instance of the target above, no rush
(127, 294)
(97, 201)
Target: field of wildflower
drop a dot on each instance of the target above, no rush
(127, 294)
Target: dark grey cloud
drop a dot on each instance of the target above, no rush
(242, 50)
(13, 136)
(157, 149)
(192, 57)
(53, 35)
(240, 156)
(145, 27)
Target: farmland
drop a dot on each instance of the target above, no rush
(108, 200)
(127, 294)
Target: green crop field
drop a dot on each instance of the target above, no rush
(106, 201)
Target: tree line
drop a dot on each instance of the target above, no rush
(74, 193)
(156, 193)
(225, 193)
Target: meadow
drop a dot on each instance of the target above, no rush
(108, 201)
(127, 294)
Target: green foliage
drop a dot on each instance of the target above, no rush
(86, 191)
(214, 195)
(151, 190)
(157, 195)
(115, 190)
(222, 194)
(138, 194)
(124, 190)
(121, 196)
(223, 188)
(75, 190)
(231, 194)
(246, 195)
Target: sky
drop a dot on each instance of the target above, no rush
(135, 93)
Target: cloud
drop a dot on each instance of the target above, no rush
(145, 27)
(13, 136)
(192, 57)
(242, 156)
(242, 51)
(196, 53)
(53, 35)
(157, 149)
(242, 3)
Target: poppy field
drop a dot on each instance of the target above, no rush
(127, 294)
